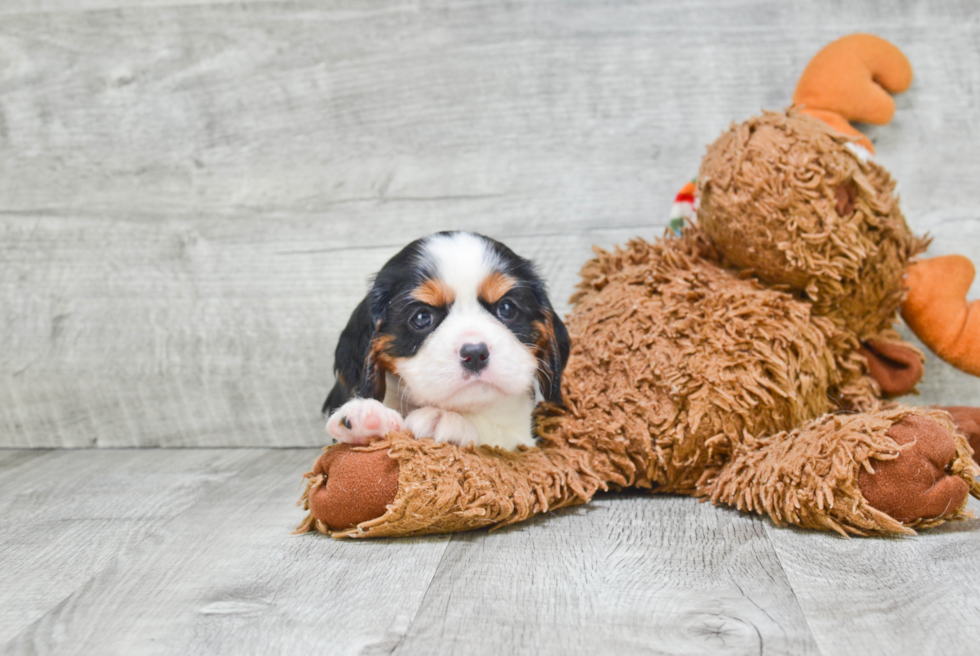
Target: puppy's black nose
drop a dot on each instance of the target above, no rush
(474, 356)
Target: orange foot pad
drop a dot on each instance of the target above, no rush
(358, 486)
(916, 485)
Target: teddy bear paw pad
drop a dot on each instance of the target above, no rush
(918, 484)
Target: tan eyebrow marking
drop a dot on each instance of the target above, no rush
(435, 293)
(546, 334)
(545, 351)
(494, 286)
(379, 353)
(545, 345)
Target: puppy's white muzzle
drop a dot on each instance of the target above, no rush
(469, 363)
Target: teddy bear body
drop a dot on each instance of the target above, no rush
(681, 358)
(728, 381)
(668, 338)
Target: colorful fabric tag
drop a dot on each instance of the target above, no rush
(684, 207)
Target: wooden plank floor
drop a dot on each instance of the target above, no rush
(189, 552)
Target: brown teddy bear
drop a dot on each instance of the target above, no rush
(747, 361)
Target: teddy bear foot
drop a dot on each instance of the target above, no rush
(357, 485)
(918, 486)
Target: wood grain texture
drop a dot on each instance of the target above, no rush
(906, 596)
(222, 574)
(627, 574)
(188, 551)
(193, 194)
(65, 516)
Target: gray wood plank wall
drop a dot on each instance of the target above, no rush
(193, 194)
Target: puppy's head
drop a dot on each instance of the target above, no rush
(463, 322)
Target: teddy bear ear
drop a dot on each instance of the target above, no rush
(850, 80)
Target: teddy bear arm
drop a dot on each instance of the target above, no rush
(886, 471)
(400, 486)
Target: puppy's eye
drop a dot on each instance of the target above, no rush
(506, 310)
(421, 320)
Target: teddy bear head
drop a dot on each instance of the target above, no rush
(801, 207)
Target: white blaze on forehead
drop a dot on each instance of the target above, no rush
(462, 261)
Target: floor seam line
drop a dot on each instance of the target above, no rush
(428, 586)
(775, 550)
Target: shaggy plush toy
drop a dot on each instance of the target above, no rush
(745, 361)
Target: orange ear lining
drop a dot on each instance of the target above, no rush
(849, 80)
(839, 123)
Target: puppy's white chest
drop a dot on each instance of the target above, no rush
(506, 425)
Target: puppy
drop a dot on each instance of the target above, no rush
(453, 341)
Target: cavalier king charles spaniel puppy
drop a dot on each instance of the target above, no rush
(453, 342)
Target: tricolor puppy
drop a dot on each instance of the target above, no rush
(452, 342)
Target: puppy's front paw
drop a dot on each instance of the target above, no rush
(361, 421)
(441, 425)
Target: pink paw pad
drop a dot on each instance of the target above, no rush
(361, 421)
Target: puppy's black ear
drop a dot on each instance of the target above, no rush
(553, 349)
(337, 397)
(355, 360)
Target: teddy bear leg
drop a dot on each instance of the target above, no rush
(885, 471)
